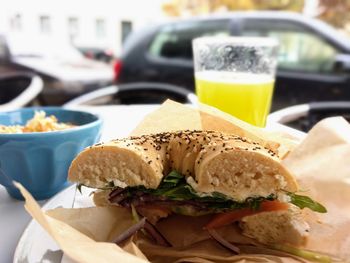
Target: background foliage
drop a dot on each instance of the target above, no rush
(335, 12)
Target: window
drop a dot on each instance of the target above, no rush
(45, 25)
(299, 48)
(100, 28)
(16, 23)
(126, 29)
(175, 41)
(73, 27)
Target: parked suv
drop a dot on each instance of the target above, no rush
(314, 59)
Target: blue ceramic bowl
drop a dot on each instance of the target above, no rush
(40, 160)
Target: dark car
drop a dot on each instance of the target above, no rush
(65, 71)
(314, 59)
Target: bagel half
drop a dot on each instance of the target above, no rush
(210, 161)
(196, 173)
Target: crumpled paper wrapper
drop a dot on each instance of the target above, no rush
(321, 165)
(173, 116)
(319, 162)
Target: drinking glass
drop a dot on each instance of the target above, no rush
(236, 75)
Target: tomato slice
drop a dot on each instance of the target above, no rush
(224, 219)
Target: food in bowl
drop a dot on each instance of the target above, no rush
(228, 178)
(40, 160)
(39, 123)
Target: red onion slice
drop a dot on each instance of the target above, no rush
(130, 232)
(223, 242)
(117, 195)
(148, 227)
(156, 235)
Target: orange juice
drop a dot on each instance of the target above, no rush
(244, 95)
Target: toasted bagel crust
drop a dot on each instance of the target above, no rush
(229, 164)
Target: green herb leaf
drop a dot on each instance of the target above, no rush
(306, 254)
(303, 201)
(172, 180)
(218, 195)
(181, 192)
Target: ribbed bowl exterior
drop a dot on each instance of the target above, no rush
(40, 161)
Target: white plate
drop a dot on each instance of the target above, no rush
(35, 245)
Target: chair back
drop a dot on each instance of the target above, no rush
(135, 93)
(18, 90)
(304, 116)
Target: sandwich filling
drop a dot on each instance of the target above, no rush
(176, 195)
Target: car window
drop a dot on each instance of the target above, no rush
(300, 49)
(175, 40)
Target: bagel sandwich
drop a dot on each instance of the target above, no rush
(228, 178)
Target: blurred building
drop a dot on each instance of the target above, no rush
(94, 23)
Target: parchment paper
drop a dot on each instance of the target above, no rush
(173, 116)
(322, 165)
(322, 169)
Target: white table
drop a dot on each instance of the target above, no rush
(119, 121)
